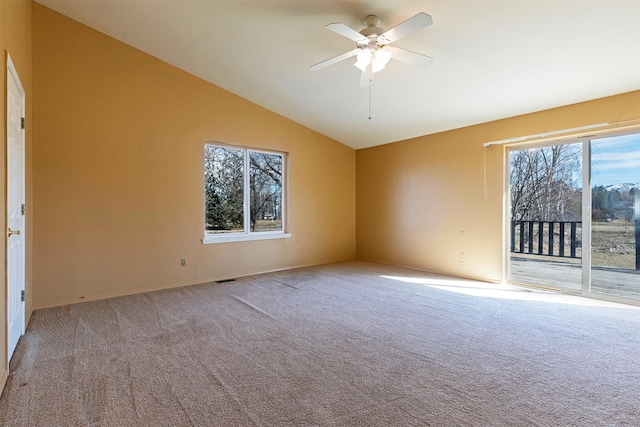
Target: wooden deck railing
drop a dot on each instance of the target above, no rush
(550, 238)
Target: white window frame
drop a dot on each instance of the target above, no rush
(247, 234)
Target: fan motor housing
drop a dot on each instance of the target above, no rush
(373, 26)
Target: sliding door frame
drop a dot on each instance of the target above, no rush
(585, 140)
(586, 215)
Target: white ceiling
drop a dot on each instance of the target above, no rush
(492, 59)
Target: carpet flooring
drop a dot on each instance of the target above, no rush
(346, 344)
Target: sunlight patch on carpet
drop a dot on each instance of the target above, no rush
(490, 290)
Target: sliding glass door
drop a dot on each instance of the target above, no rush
(615, 216)
(562, 237)
(546, 216)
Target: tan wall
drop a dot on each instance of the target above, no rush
(118, 173)
(15, 39)
(415, 197)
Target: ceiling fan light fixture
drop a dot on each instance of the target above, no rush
(364, 59)
(381, 58)
(378, 58)
(377, 66)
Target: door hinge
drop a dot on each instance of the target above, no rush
(22, 209)
(22, 122)
(22, 296)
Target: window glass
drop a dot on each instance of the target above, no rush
(265, 182)
(244, 194)
(224, 189)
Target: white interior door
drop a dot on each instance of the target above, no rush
(15, 209)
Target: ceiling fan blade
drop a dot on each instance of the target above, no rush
(410, 57)
(347, 32)
(365, 77)
(334, 60)
(411, 25)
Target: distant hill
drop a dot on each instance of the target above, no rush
(623, 188)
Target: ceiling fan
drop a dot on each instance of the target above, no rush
(373, 45)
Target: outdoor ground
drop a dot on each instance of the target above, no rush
(613, 244)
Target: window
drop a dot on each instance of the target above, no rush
(244, 196)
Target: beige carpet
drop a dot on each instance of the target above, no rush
(348, 344)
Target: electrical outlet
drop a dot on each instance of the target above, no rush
(183, 262)
(462, 259)
(462, 232)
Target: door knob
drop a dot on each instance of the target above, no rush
(12, 232)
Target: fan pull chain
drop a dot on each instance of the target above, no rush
(370, 100)
(370, 84)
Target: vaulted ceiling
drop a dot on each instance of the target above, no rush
(492, 59)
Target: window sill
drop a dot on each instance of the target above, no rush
(228, 238)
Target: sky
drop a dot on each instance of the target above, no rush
(615, 160)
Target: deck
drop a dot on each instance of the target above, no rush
(566, 274)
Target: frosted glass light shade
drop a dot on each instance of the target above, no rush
(364, 59)
(377, 58)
